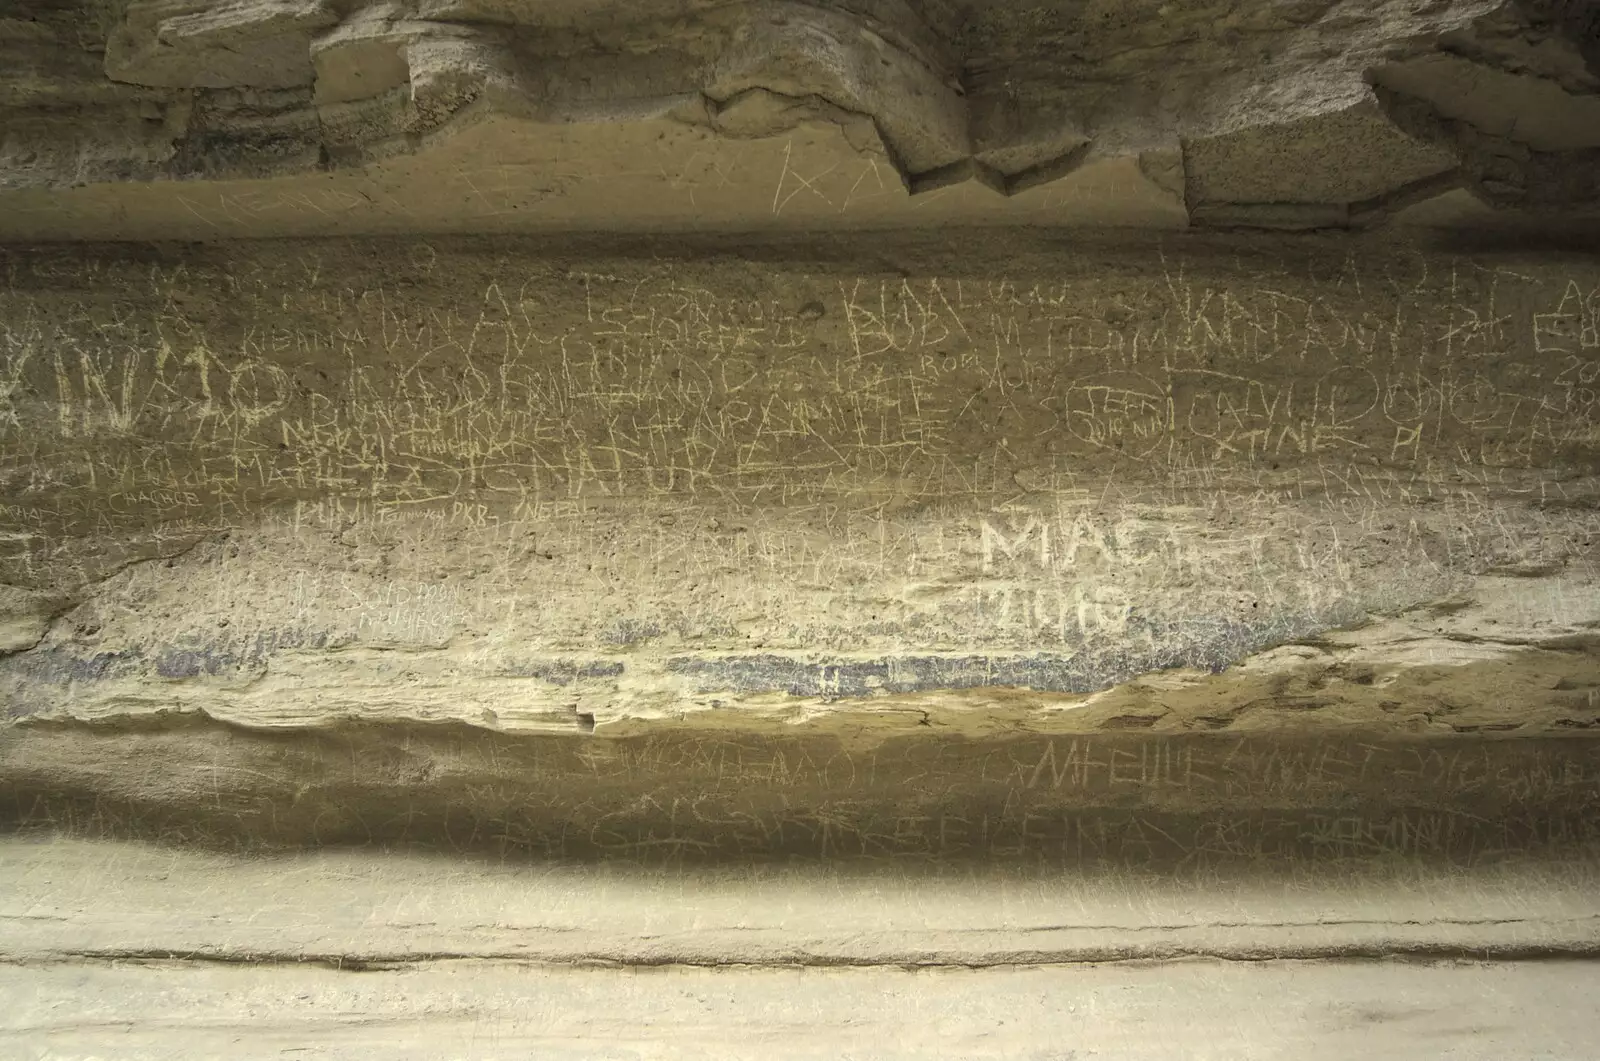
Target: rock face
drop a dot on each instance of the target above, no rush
(194, 119)
(579, 539)
(712, 528)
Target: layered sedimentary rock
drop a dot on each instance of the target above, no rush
(471, 613)
(653, 549)
(185, 118)
(798, 485)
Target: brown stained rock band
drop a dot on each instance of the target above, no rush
(1107, 803)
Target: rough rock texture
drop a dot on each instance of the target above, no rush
(664, 551)
(1037, 584)
(201, 119)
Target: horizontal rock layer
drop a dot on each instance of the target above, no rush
(68, 902)
(197, 119)
(512, 635)
(111, 949)
(671, 549)
(1127, 615)
(288, 484)
(1103, 805)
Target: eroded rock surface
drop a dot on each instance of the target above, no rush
(202, 119)
(581, 542)
(917, 528)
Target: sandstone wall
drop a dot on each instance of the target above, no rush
(884, 532)
(762, 528)
(158, 119)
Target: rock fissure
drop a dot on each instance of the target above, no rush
(1333, 952)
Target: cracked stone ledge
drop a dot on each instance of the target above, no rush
(354, 119)
(395, 912)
